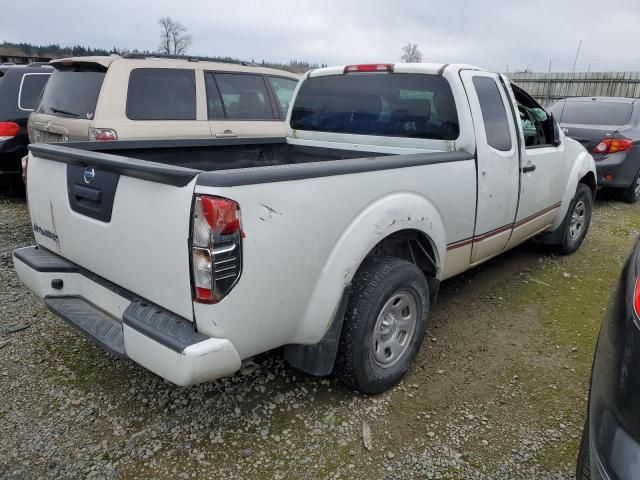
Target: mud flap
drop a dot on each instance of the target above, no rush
(318, 359)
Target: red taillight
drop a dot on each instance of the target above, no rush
(103, 134)
(369, 67)
(216, 248)
(221, 214)
(613, 145)
(8, 130)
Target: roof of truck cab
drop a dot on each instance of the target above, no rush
(159, 62)
(428, 68)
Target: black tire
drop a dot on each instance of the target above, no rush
(363, 363)
(631, 194)
(572, 238)
(583, 465)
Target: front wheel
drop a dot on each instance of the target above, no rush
(576, 223)
(384, 324)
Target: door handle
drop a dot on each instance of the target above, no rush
(528, 168)
(226, 134)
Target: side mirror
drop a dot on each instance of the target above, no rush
(557, 139)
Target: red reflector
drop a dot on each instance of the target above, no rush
(221, 214)
(613, 145)
(369, 67)
(204, 294)
(608, 177)
(9, 129)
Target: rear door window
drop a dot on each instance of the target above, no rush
(72, 91)
(592, 112)
(161, 94)
(384, 104)
(31, 87)
(244, 96)
(494, 113)
(283, 87)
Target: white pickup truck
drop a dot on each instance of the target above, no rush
(189, 257)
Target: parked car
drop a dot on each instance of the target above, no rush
(20, 87)
(609, 127)
(189, 257)
(610, 447)
(160, 97)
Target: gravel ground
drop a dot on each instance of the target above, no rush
(498, 390)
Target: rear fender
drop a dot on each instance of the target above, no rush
(389, 214)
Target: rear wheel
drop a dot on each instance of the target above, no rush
(631, 194)
(384, 324)
(576, 223)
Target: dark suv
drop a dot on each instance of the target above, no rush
(20, 88)
(609, 128)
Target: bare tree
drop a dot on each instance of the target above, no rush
(411, 53)
(174, 39)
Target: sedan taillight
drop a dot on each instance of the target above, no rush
(216, 248)
(613, 145)
(8, 130)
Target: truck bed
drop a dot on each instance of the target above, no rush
(177, 162)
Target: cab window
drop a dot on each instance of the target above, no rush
(494, 113)
(537, 124)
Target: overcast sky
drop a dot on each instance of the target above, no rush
(488, 33)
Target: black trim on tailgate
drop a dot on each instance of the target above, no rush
(91, 154)
(131, 167)
(283, 173)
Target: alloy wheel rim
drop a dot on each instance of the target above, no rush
(394, 329)
(576, 225)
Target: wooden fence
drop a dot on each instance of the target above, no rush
(549, 87)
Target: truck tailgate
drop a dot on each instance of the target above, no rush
(115, 220)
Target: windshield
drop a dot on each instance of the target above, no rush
(592, 112)
(386, 104)
(72, 92)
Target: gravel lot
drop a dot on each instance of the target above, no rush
(498, 390)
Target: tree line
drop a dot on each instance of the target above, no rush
(55, 50)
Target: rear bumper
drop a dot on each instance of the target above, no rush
(124, 324)
(622, 167)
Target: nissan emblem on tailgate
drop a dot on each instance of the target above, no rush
(89, 175)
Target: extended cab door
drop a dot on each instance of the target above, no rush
(544, 168)
(241, 105)
(498, 163)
